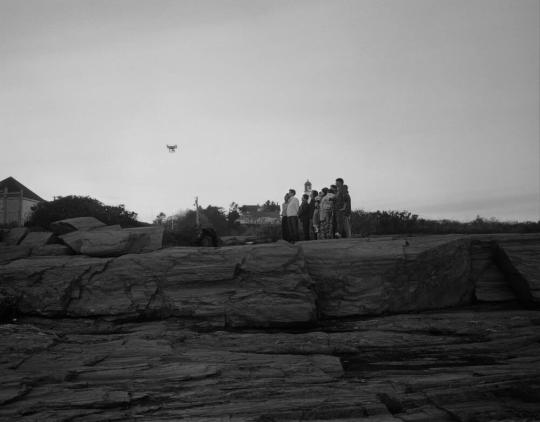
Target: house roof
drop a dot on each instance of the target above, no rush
(14, 186)
(249, 209)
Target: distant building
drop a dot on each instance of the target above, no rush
(16, 202)
(253, 214)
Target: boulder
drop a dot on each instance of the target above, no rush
(114, 241)
(362, 277)
(16, 235)
(264, 285)
(12, 253)
(106, 242)
(520, 261)
(79, 223)
(147, 239)
(52, 250)
(37, 239)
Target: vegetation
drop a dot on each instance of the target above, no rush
(73, 206)
(404, 222)
(180, 228)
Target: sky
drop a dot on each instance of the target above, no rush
(430, 106)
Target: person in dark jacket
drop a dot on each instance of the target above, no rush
(339, 209)
(347, 211)
(303, 216)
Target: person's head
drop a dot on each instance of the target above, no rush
(314, 194)
(292, 192)
(346, 188)
(333, 189)
(339, 182)
(286, 198)
(324, 191)
(305, 197)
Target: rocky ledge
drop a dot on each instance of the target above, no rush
(419, 329)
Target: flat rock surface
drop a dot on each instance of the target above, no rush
(478, 363)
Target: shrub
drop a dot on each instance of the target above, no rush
(73, 206)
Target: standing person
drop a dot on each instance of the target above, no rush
(340, 209)
(312, 200)
(303, 215)
(293, 206)
(284, 225)
(327, 214)
(347, 212)
(333, 189)
(322, 213)
(317, 218)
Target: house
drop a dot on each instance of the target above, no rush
(16, 202)
(254, 214)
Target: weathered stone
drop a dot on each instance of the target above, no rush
(520, 261)
(79, 223)
(476, 363)
(37, 239)
(106, 242)
(148, 239)
(245, 286)
(491, 285)
(359, 277)
(114, 242)
(15, 236)
(12, 253)
(52, 250)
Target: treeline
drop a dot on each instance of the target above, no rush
(404, 222)
(180, 228)
(44, 213)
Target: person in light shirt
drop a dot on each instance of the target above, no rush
(293, 206)
(284, 225)
(326, 214)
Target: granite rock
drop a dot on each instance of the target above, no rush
(78, 223)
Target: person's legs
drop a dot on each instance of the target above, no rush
(325, 229)
(285, 228)
(293, 228)
(305, 227)
(348, 228)
(340, 223)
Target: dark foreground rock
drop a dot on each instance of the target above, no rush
(479, 363)
(276, 332)
(258, 286)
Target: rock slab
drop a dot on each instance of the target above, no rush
(79, 223)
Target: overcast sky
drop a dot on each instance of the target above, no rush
(426, 105)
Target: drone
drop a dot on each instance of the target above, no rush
(172, 148)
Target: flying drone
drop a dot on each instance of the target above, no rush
(172, 148)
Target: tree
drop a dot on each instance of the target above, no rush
(45, 213)
(270, 206)
(160, 219)
(232, 217)
(216, 219)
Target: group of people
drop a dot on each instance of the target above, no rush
(322, 215)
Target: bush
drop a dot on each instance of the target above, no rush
(403, 222)
(73, 206)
